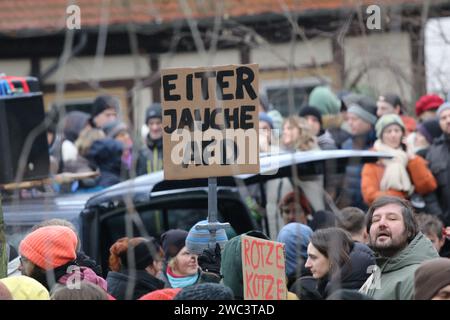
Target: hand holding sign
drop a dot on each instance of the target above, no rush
(210, 260)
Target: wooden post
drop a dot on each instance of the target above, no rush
(213, 224)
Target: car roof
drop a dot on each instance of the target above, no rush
(31, 211)
(272, 166)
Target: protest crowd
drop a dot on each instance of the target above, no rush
(386, 237)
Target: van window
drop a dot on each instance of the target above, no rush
(149, 221)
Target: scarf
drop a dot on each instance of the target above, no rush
(180, 282)
(395, 174)
(78, 273)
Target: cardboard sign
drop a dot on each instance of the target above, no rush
(210, 121)
(263, 269)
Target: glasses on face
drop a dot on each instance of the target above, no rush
(23, 261)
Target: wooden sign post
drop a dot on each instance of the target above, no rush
(210, 126)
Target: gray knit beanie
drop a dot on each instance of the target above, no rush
(205, 291)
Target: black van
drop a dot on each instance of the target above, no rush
(150, 205)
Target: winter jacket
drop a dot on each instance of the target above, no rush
(80, 273)
(352, 195)
(353, 276)
(439, 162)
(107, 155)
(326, 141)
(335, 126)
(394, 277)
(143, 283)
(203, 277)
(372, 173)
(231, 265)
(150, 157)
(84, 260)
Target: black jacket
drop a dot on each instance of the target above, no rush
(351, 194)
(150, 157)
(143, 283)
(439, 160)
(356, 273)
(106, 154)
(84, 260)
(353, 276)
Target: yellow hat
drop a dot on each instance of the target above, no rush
(25, 288)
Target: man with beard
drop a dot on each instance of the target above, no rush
(438, 157)
(399, 246)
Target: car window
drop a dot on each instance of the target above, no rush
(186, 218)
(153, 222)
(15, 234)
(149, 221)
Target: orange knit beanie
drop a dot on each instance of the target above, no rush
(50, 247)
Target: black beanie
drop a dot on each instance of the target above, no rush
(430, 129)
(143, 253)
(101, 103)
(173, 241)
(311, 111)
(154, 111)
(393, 99)
(205, 291)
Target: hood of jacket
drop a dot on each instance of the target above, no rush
(325, 100)
(74, 122)
(357, 271)
(418, 250)
(353, 274)
(231, 264)
(107, 155)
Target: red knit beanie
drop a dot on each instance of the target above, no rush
(50, 247)
(162, 294)
(428, 102)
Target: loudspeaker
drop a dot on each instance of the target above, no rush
(19, 115)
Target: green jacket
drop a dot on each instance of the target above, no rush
(231, 266)
(396, 281)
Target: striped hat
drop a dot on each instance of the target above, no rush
(197, 240)
(50, 247)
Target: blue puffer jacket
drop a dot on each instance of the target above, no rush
(352, 182)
